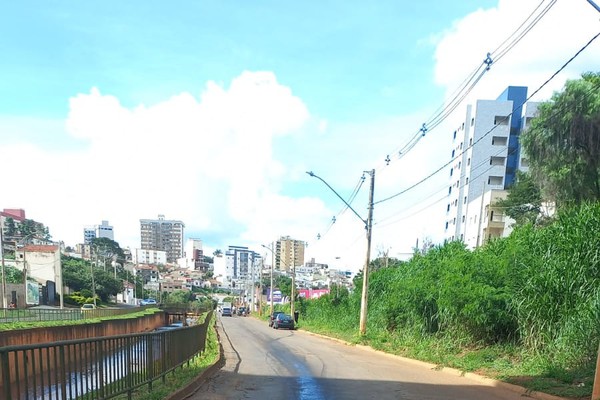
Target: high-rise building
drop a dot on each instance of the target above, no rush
(103, 230)
(241, 266)
(162, 234)
(288, 253)
(487, 154)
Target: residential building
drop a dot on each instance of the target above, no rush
(42, 263)
(162, 234)
(104, 230)
(153, 257)
(486, 155)
(89, 234)
(193, 256)
(289, 253)
(241, 265)
(147, 273)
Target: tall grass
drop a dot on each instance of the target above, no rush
(536, 293)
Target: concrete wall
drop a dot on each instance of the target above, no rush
(104, 328)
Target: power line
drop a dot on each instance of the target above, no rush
(495, 126)
(472, 79)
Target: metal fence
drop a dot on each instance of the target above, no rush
(97, 368)
(10, 315)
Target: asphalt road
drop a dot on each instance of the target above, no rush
(263, 363)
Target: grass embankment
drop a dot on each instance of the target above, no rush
(17, 325)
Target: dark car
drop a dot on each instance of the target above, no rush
(272, 317)
(241, 311)
(283, 321)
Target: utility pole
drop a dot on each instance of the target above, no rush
(293, 291)
(93, 283)
(4, 305)
(368, 226)
(271, 290)
(365, 288)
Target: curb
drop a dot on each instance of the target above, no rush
(452, 371)
(195, 385)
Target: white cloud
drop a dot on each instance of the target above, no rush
(557, 36)
(208, 162)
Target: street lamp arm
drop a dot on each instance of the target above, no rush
(340, 197)
(594, 5)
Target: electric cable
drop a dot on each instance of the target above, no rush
(495, 126)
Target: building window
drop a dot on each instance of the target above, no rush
(471, 142)
(467, 181)
(465, 200)
(468, 161)
(497, 161)
(449, 189)
(494, 180)
(472, 121)
(501, 120)
(451, 171)
(446, 224)
(454, 137)
(463, 218)
(499, 140)
(448, 208)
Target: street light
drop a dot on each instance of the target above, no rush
(369, 227)
(271, 289)
(4, 305)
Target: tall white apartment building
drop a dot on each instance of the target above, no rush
(163, 234)
(104, 230)
(487, 154)
(241, 265)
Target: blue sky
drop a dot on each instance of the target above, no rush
(211, 112)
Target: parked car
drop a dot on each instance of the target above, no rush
(147, 302)
(272, 317)
(88, 307)
(283, 321)
(241, 311)
(226, 312)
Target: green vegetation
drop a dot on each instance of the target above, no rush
(524, 309)
(17, 324)
(562, 143)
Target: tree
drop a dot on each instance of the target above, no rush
(218, 253)
(523, 203)
(108, 249)
(562, 143)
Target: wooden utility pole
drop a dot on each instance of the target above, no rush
(365, 287)
(596, 389)
(4, 305)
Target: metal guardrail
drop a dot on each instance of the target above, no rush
(10, 315)
(97, 368)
